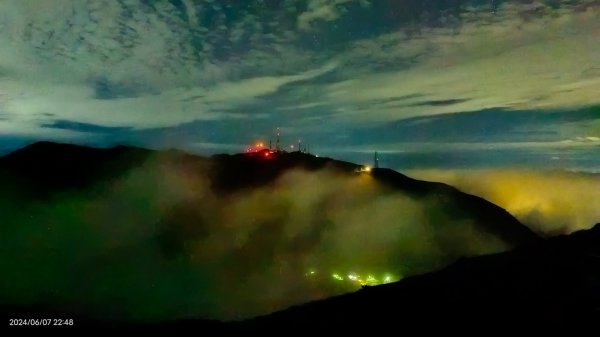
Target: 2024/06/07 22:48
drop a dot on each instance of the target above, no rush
(40, 322)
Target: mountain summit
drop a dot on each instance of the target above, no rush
(137, 225)
(47, 167)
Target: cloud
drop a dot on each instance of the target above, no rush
(540, 63)
(158, 243)
(551, 202)
(424, 147)
(31, 131)
(121, 65)
(260, 86)
(440, 102)
(167, 108)
(323, 10)
(307, 67)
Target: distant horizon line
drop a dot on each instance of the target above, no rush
(338, 155)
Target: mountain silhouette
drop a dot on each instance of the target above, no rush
(43, 168)
(151, 223)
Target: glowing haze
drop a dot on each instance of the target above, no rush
(483, 83)
(550, 202)
(159, 244)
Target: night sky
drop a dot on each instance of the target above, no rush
(429, 84)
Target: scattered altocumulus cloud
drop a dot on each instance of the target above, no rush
(312, 67)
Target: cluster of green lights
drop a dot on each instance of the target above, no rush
(354, 278)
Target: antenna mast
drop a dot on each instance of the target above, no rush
(277, 147)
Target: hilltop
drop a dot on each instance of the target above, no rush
(44, 168)
(125, 232)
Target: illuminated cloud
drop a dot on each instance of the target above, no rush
(312, 67)
(546, 62)
(324, 10)
(551, 202)
(185, 251)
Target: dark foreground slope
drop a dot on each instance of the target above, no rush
(551, 284)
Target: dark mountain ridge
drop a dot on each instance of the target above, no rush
(44, 168)
(117, 205)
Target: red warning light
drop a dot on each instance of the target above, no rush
(258, 149)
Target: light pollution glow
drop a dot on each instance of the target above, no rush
(550, 202)
(159, 244)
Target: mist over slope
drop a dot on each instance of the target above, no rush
(551, 202)
(552, 285)
(132, 234)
